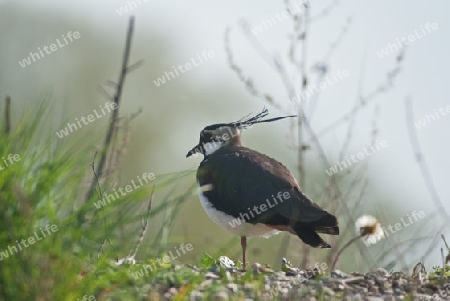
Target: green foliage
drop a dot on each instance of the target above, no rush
(207, 261)
(46, 187)
(438, 270)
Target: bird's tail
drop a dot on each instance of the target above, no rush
(328, 224)
(307, 231)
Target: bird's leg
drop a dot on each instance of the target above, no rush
(244, 248)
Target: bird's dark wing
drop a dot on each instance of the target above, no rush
(241, 178)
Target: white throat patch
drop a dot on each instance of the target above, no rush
(211, 147)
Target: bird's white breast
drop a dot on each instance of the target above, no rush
(232, 224)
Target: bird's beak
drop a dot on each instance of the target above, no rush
(197, 149)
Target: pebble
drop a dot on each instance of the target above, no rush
(196, 296)
(249, 286)
(211, 275)
(232, 287)
(339, 274)
(219, 296)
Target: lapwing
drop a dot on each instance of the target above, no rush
(251, 194)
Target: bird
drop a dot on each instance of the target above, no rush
(251, 194)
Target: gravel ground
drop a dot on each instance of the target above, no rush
(301, 285)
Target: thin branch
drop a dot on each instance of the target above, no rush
(434, 241)
(135, 66)
(248, 81)
(132, 255)
(425, 172)
(99, 192)
(443, 264)
(111, 83)
(104, 93)
(342, 250)
(117, 96)
(393, 240)
(410, 242)
(334, 45)
(100, 196)
(7, 115)
(322, 68)
(302, 116)
(365, 100)
(352, 117)
(114, 158)
(445, 242)
(325, 11)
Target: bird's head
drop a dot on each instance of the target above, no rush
(216, 136)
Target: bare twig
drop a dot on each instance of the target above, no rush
(104, 93)
(393, 241)
(325, 11)
(352, 116)
(117, 96)
(7, 115)
(365, 100)
(100, 196)
(132, 254)
(301, 113)
(239, 72)
(334, 45)
(342, 250)
(106, 239)
(425, 172)
(114, 159)
(445, 242)
(99, 192)
(443, 263)
(322, 68)
(135, 66)
(434, 241)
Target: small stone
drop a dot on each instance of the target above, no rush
(210, 275)
(339, 274)
(328, 291)
(220, 296)
(382, 272)
(196, 296)
(374, 298)
(256, 268)
(232, 287)
(207, 282)
(229, 276)
(356, 274)
(354, 280)
(249, 286)
(357, 297)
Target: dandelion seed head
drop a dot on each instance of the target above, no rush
(369, 228)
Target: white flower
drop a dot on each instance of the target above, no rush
(369, 228)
